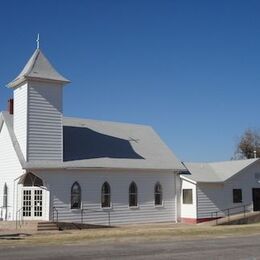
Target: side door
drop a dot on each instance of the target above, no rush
(256, 199)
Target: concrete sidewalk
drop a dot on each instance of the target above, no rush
(11, 227)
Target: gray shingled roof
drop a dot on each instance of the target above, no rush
(38, 67)
(216, 171)
(100, 144)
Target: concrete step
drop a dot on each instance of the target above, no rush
(48, 229)
(47, 226)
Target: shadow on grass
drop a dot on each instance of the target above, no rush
(16, 236)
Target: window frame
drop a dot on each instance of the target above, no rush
(5, 196)
(237, 197)
(133, 196)
(74, 194)
(185, 199)
(158, 193)
(106, 195)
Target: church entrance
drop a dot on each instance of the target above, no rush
(34, 202)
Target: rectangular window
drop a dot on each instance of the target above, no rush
(237, 195)
(187, 196)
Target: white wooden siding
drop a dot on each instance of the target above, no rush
(211, 198)
(45, 131)
(188, 210)
(10, 169)
(215, 197)
(60, 185)
(20, 117)
(246, 181)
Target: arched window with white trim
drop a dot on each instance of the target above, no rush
(5, 199)
(133, 196)
(158, 194)
(75, 196)
(105, 195)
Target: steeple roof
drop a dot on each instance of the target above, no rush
(39, 68)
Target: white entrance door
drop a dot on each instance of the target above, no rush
(32, 203)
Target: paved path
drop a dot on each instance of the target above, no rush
(246, 247)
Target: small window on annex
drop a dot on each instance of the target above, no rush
(158, 194)
(75, 196)
(237, 195)
(187, 196)
(106, 195)
(133, 201)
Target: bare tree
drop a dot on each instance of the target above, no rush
(248, 145)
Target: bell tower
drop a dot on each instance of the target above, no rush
(38, 110)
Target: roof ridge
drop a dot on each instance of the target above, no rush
(226, 161)
(106, 121)
(36, 53)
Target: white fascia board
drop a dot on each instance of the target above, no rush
(188, 179)
(1, 121)
(241, 171)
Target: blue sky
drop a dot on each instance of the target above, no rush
(191, 69)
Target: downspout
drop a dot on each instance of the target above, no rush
(196, 197)
(176, 199)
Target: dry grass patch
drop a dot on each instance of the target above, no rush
(136, 232)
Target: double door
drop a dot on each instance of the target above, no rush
(32, 203)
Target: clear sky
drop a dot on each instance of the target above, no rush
(190, 69)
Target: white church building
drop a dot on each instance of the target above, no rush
(73, 169)
(77, 170)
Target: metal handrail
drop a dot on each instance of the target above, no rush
(228, 211)
(20, 218)
(20, 212)
(82, 212)
(108, 210)
(55, 210)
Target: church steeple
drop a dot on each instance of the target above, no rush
(38, 110)
(38, 68)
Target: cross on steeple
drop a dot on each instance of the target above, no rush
(38, 41)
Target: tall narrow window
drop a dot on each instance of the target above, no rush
(158, 194)
(5, 196)
(75, 196)
(133, 195)
(105, 195)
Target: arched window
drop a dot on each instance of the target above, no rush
(5, 196)
(105, 195)
(75, 196)
(157, 194)
(29, 179)
(133, 200)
